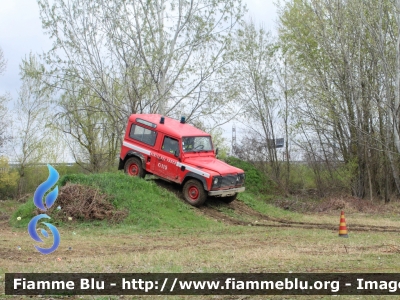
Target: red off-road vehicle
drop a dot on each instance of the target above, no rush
(178, 152)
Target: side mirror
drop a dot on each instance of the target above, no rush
(216, 151)
(176, 153)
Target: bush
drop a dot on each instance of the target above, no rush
(256, 181)
(34, 175)
(8, 179)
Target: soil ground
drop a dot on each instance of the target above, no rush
(248, 241)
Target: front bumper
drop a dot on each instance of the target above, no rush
(226, 193)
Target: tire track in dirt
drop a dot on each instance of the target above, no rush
(241, 208)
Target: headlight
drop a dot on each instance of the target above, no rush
(240, 178)
(216, 182)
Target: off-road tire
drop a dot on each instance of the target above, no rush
(194, 193)
(229, 199)
(133, 167)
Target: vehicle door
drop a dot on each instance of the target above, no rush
(165, 162)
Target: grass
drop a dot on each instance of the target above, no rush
(261, 205)
(163, 234)
(150, 207)
(256, 181)
(229, 249)
(245, 249)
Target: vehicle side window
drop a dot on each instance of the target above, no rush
(170, 145)
(143, 135)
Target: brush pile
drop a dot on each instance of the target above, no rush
(80, 202)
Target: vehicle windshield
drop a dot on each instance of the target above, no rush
(196, 143)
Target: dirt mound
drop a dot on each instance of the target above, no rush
(351, 204)
(348, 203)
(81, 202)
(298, 205)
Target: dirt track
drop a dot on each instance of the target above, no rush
(109, 252)
(266, 221)
(242, 210)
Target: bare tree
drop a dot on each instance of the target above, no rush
(346, 56)
(3, 62)
(141, 56)
(137, 56)
(254, 77)
(3, 109)
(93, 144)
(33, 139)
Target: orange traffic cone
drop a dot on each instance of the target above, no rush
(342, 226)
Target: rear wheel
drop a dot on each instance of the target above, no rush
(133, 167)
(194, 193)
(229, 199)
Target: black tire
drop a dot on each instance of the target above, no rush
(194, 193)
(133, 167)
(229, 199)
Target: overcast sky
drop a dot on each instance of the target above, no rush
(21, 32)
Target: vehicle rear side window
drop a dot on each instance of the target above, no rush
(143, 135)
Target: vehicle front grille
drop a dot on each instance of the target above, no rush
(228, 181)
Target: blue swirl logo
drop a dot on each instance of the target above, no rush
(49, 201)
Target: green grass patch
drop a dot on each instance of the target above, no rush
(266, 208)
(148, 205)
(256, 181)
(25, 212)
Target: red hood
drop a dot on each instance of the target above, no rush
(212, 164)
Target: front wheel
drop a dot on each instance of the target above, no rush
(194, 193)
(133, 167)
(229, 199)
